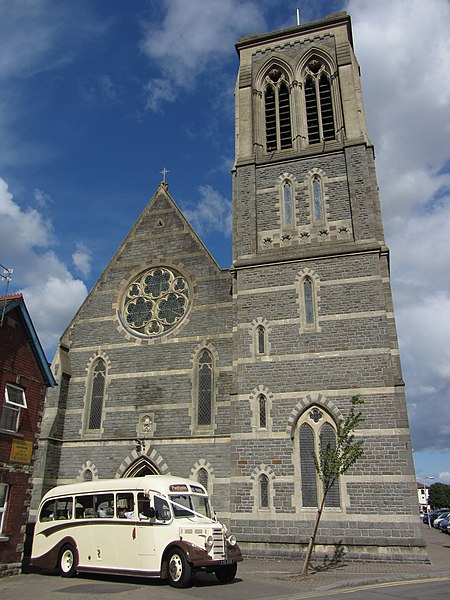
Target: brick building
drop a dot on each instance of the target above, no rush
(232, 377)
(24, 377)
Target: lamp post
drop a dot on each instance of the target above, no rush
(426, 499)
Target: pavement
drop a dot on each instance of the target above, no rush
(354, 574)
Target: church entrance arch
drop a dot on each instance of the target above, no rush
(140, 468)
(139, 464)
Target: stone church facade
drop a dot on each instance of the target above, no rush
(232, 377)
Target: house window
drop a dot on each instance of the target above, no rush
(277, 112)
(263, 491)
(202, 477)
(4, 492)
(316, 431)
(204, 388)
(288, 204)
(97, 394)
(318, 103)
(14, 401)
(262, 405)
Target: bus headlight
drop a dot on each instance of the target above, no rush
(231, 539)
(209, 542)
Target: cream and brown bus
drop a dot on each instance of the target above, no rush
(154, 526)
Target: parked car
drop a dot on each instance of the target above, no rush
(434, 514)
(444, 524)
(437, 521)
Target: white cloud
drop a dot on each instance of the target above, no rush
(211, 213)
(444, 477)
(51, 293)
(403, 48)
(159, 91)
(41, 199)
(194, 36)
(82, 258)
(21, 230)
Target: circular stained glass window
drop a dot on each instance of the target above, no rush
(155, 301)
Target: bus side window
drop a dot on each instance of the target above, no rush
(146, 512)
(125, 506)
(162, 510)
(84, 507)
(63, 509)
(47, 511)
(104, 506)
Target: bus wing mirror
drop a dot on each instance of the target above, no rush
(151, 512)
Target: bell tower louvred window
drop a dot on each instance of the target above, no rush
(326, 108)
(312, 116)
(277, 112)
(319, 104)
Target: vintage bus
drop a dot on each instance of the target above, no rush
(154, 526)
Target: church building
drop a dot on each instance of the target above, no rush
(233, 376)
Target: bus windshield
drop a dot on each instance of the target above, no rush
(184, 505)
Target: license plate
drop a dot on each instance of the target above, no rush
(227, 561)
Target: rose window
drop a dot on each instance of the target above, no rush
(155, 302)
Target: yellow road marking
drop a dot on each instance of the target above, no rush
(369, 587)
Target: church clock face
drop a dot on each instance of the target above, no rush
(155, 302)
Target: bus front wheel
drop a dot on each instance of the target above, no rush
(67, 564)
(179, 570)
(226, 574)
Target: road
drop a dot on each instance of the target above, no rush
(50, 587)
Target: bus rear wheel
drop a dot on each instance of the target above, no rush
(67, 563)
(227, 573)
(179, 570)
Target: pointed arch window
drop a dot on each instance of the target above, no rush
(328, 438)
(262, 406)
(202, 477)
(261, 339)
(318, 103)
(288, 204)
(263, 491)
(307, 466)
(317, 430)
(97, 394)
(308, 298)
(277, 112)
(317, 198)
(204, 388)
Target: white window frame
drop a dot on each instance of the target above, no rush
(11, 405)
(4, 506)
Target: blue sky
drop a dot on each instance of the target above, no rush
(97, 97)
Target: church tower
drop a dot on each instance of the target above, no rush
(314, 314)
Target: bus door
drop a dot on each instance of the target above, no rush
(126, 531)
(153, 530)
(96, 538)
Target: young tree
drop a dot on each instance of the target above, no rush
(335, 460)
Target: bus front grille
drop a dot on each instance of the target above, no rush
(218, 550)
